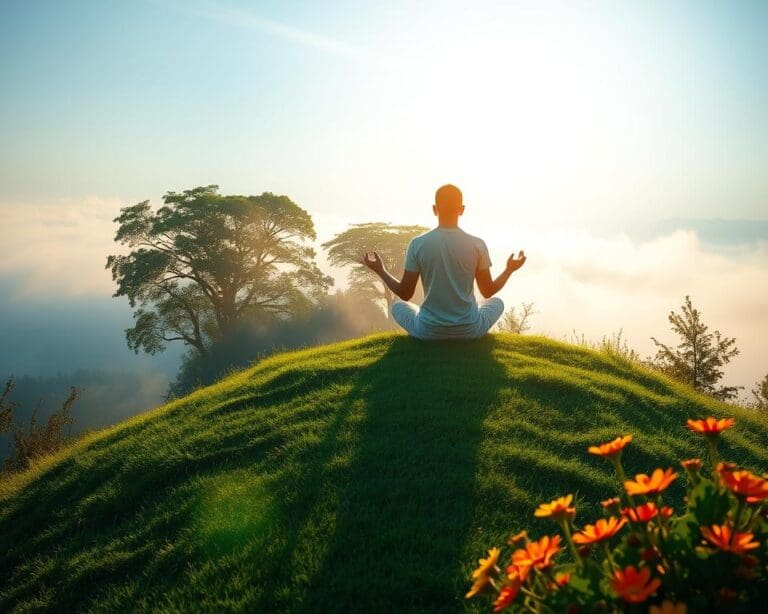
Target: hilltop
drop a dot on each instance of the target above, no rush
(365, 475)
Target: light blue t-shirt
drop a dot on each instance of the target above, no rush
(447, 260)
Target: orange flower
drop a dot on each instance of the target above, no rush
(506, 596)
(641, 513)
(515, 573)
(557, 510)
(561, 579)
(722, 537)
(710, 426)
(537, 554)
(667, 511)
(482, 575)
(743, 483)
(612, 448)
(692, 464)
(518, 537)
(634, 585)
(668, 607)
(604, 528)
(612, 502)
(644, 485)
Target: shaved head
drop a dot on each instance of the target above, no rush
(448, 198)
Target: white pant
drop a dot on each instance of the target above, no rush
(407, 316)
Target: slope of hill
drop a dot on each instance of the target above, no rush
(368, 474)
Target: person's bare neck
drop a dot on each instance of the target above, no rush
(448, 222)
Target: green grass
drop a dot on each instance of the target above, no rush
(367, 475)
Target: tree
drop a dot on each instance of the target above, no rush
(513, 322)
(760, 392)
(699, 357)
(390, 241)
(203, 262)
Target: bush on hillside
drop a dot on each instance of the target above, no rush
(38, 439)
(712, 554)
(517, 323)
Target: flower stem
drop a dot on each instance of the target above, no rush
(616, 460)
(714, 458)
(608, 556)
(737, 519)
(569, 538)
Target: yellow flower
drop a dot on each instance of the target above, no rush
(482, 575)
(557, 509)
(612, 448)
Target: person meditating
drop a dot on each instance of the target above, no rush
(449, 261)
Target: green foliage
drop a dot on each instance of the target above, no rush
(6, 407)
(517, 323)
(364, 475)
(616, 346)
(760, 392)
(346, 250)
(699, 357)
(203, 262)
(37, 439)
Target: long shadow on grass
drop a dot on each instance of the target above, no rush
(405, 510)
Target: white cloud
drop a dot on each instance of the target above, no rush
(596, 286)
(59, 248)
(248, 19)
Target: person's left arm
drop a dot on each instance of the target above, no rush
(487, 286)
(404, 288)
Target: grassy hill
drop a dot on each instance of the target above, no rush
(366, 475)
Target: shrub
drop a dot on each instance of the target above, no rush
(39, 439)
(709, 556)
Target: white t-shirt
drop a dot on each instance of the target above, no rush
(447, 260)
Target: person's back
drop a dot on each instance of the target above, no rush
(449, 261)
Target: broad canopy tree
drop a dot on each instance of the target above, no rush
(203, 262)
(700, 356)
(390, 241)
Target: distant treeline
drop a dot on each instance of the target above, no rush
(340, 316)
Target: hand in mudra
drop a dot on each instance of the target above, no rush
(373, 261)
(515, 263)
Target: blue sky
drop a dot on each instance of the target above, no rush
(615, 141)
(339, 103)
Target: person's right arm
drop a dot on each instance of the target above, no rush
(404, 288)
(487, 286)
